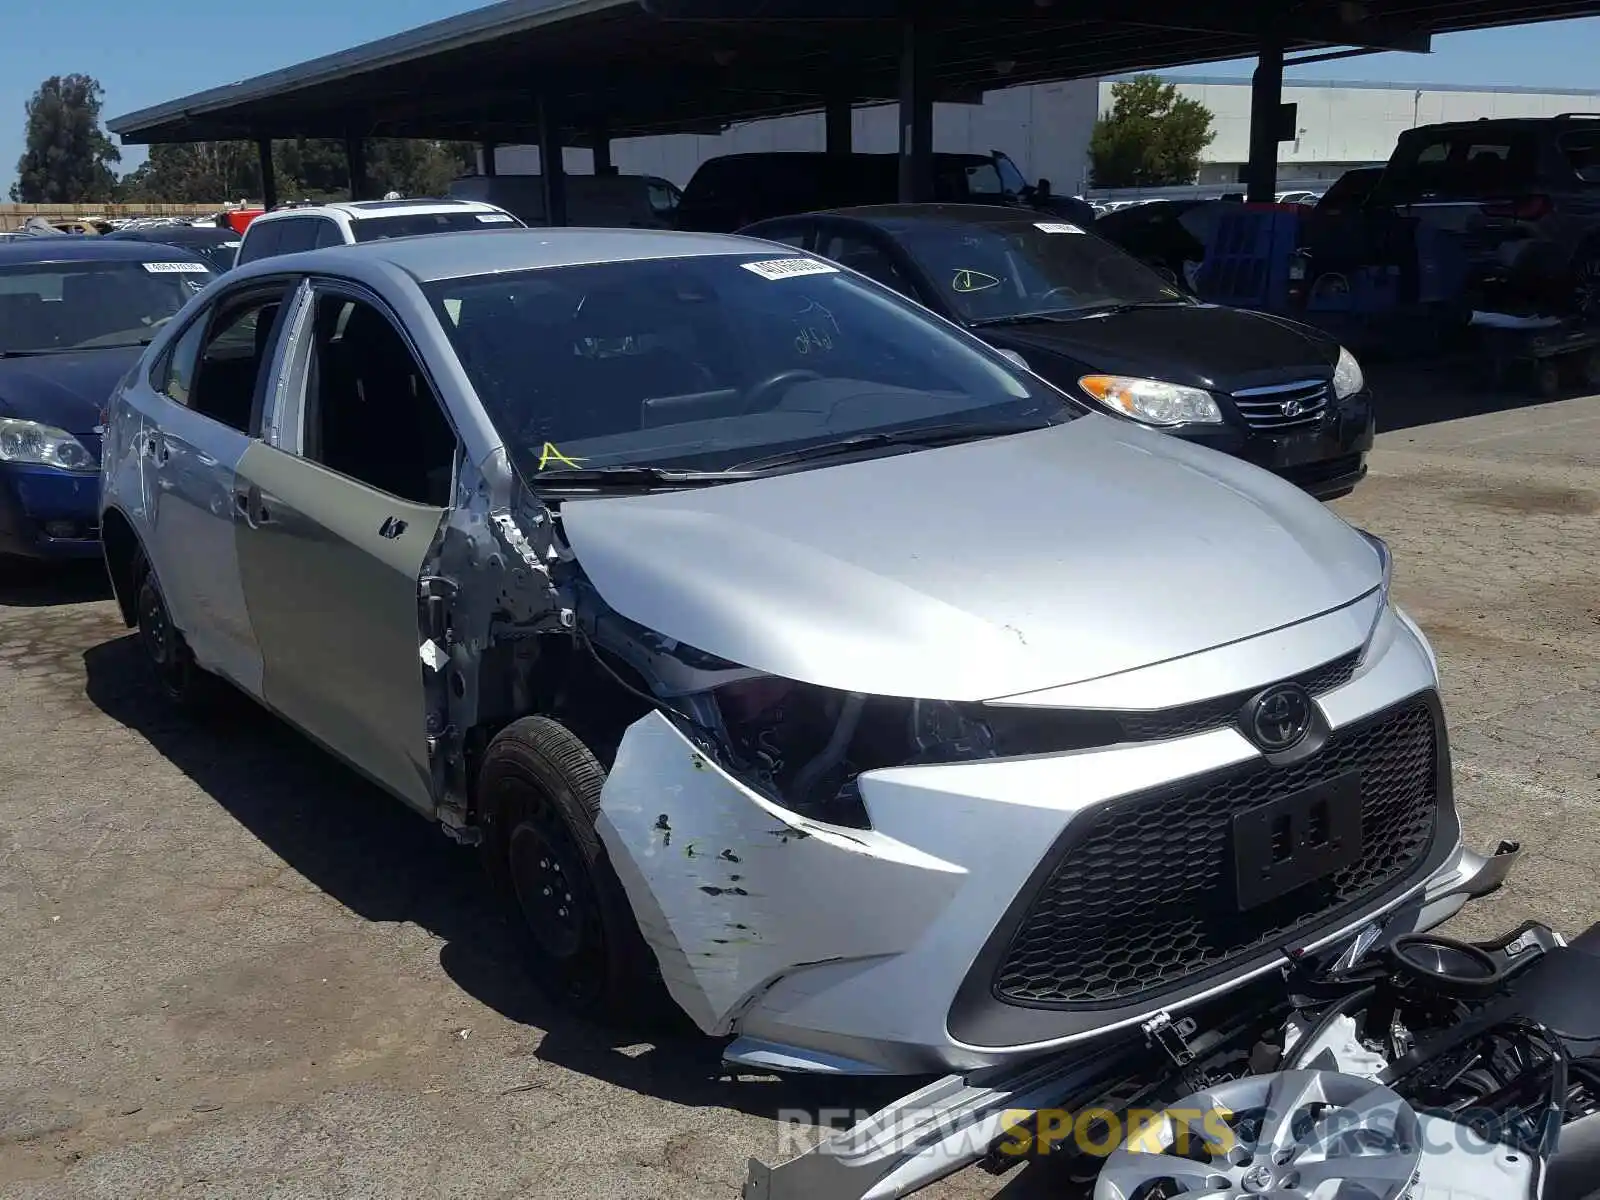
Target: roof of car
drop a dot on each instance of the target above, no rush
(436, 256)
(899, 214)
(358, 210)
(69, 248)
(176, 235)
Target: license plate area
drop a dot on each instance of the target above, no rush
(1296, 839)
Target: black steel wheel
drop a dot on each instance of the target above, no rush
(539, 796)
(171, 664)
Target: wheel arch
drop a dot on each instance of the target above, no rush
(123, 553)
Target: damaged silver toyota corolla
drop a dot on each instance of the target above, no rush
(784, 645)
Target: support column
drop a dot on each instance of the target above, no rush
(602, 154)
(355, 153)
(1266, 104)
(916, 111)
(552, 167)
(837, 120)
(486, 150)
(269, 177)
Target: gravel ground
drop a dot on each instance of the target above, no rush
(231, 969)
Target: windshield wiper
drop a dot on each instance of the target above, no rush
(1026, 318)
(27, 353)
(1075, 314)
(928, 435)
(627, 477)
(1106, 310)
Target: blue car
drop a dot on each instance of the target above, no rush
(75, 313)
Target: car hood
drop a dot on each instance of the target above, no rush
(66, 390)
(976, 571)
(1200, 345)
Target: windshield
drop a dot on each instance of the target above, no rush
(707, 363)
(373, 229)
(78, 305)
(1006, 268)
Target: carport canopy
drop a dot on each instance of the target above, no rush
(580, 72)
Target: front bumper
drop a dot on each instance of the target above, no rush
(1327, 461)
(47, 513)
(846, 950)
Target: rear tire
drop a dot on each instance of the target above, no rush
(172, 666)
(539, 794)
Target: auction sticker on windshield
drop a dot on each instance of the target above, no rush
(1056, 227)
(176, 268)
(787, 268)
(494, 218)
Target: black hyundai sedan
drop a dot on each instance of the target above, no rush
(1093, 320)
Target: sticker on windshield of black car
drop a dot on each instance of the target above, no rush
(494, 218)
(788, 268)
(177, 268)
(973, 281)
(1056, 227)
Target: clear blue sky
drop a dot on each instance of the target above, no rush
(148, 53)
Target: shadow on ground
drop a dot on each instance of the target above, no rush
(1413, 394)
(26, 583)
(386, 864)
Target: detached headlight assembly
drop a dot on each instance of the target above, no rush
(1347, 376)
(1152, 401)
(41, 445)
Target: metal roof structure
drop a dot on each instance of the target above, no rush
(622, 68)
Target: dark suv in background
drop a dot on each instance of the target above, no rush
(1523, 194)
(731, 191)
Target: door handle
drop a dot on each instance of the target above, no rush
(247, 503)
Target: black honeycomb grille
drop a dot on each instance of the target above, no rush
(1188, 719)
(1143, 899)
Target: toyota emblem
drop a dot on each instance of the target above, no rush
(1280, 717)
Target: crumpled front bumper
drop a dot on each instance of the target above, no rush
(832, 949)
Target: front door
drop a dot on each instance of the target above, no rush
(336, 521)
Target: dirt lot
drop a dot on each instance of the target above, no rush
(231, 969)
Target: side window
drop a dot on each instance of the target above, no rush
(859, 254)
(214, 367)
(328, 233)
(370, 413)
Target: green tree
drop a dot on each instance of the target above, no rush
(306, 169)
(195, 173)
(1152, 137)
(68, 157)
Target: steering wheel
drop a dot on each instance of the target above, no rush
(759, 392)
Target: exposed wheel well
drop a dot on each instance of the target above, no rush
(123, 553)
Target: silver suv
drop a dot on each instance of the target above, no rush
(785, 648)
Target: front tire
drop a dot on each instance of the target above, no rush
(539, 793)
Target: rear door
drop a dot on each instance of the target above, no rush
(340, 506)
(210, 386)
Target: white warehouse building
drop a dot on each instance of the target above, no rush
(1345, 125)
(1045, 128)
